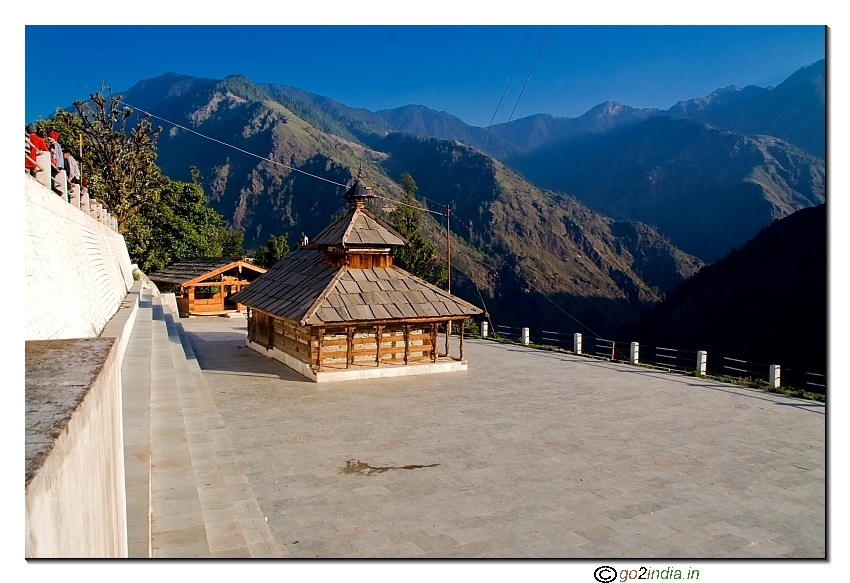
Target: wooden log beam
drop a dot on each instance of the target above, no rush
(379, 333)
(319, 349)
(349, 357)
(434, 342)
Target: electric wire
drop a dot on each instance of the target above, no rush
(475, 283)
(264, 158)
(509, 118)
(393, 201)
(510, 81)
(526, 283)
(267, 159)
(566, 312)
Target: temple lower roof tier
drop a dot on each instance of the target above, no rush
(305, 288)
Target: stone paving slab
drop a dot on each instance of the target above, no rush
(526, 454)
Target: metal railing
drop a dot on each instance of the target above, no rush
(508, 332)
(673, 359)
(813, 382)
(744, 369)
(669, 358)
(559, 339)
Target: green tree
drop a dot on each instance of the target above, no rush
(419, 256)
(163, 221)
(175, 225)
(119, 153)
(232, 244)
(276, 249)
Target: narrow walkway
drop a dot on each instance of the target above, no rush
(187, 493)
(136, 401)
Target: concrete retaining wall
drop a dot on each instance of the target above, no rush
(77, 269)
(121, 325)
(75, 497)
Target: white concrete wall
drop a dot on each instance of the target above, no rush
(121, 325)
(77, 269)
(76, 502)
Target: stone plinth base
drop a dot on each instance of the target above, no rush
(358, 373)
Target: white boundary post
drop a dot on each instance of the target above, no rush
(634, 353)
(485, 328)
(75, 195)
(775, 375)
(702, 358)
(525, 333)
(577, 343)
(43, 174)
(60, 184)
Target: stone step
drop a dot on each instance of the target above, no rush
(234, 522)
(187, 495)
(177, 519)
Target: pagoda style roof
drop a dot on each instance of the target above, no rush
(359, 227)
(305, 289)
(195, 270)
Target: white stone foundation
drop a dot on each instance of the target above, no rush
(360, 372)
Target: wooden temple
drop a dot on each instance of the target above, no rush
(204, 286)
(339, 309)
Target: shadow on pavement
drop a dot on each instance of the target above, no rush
(226, 353)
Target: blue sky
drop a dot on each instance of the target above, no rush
(459, 69)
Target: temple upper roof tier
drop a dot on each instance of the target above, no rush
(359, 228)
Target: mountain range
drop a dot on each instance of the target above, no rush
(583, 156)
(763, 303)
(584, 221)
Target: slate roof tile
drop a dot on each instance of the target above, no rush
(380, 311)
(358, 295)
(359, 227)
(350, 287)
(183, 271)
(393, 311)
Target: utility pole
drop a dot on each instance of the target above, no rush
(449, 247)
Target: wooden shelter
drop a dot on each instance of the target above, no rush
(204, 286)
(339, 304)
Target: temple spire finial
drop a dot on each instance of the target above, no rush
(358, 193)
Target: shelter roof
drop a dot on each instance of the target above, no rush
(304, 288)
(192, 270)
(359, 227)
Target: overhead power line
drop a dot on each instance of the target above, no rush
(510, 81)
(264, 158)
(267, 159)
(511, 116)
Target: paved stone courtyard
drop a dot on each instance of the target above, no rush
(526, 454)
